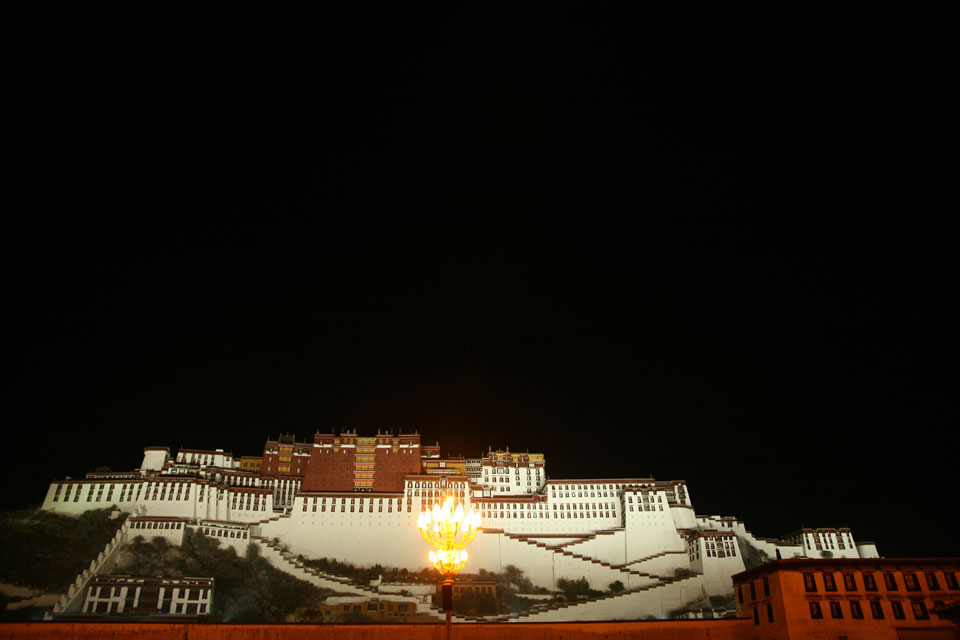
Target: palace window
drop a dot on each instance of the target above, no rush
(815, 612)
(835, 610)
(897, 610)
(920, 610)
(855, 611)
(890, 581)
(810, 583)
(932, 583)
(869, 582)
(911, 582)
(849, 582)
(876, 610)
(828, 582)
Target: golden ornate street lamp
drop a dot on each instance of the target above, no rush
(448, 530)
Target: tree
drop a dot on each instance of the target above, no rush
(247, 588)
(575, 589)
(616, 586)
(752, 557)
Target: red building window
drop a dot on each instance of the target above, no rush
(856, 611)
(829, 583)
(835, 610)
(890, 581)
(876, 610)
(897, 610)
(810, 583)
(920, 610)
(911, 582)
(815, 611)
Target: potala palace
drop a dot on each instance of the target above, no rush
(357, 499)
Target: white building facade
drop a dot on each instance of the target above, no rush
(641, 532)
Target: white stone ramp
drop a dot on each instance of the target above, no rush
(289, 564)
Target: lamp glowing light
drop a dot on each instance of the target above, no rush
(448, 530)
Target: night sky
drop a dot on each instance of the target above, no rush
(640, 249)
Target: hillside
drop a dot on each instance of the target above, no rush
(46, 551)
(246, 588)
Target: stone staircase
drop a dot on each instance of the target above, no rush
(290, 563)
(437, 611)
(556, 606)
(279, 516)
(536, 539)
(651, 557)
(559, 548)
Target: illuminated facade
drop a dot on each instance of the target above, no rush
(358, 499)
(855, 598)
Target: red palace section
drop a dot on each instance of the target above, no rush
(348, 462)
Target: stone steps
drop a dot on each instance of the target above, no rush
(559, 549)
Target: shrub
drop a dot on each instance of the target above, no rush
(752, 557)
(246, 589)
(576, 589)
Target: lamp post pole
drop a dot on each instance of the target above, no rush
(446, 591)
(448, 530)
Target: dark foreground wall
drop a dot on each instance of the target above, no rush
(673, 630)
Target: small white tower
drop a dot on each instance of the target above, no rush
(154, 458)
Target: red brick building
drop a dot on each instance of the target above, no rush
(864, 598)
(285, 457)
(348, 462)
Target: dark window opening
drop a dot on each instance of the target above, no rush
(815, 611)
(829, 583)
(897, 610)
(920, 610)
(890, 581)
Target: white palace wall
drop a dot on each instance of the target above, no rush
(635, 531)
(163, 496)
(661, 564)
(649, 526)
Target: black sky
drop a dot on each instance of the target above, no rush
(688, 252)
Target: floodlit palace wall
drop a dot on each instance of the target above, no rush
(357, 499)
